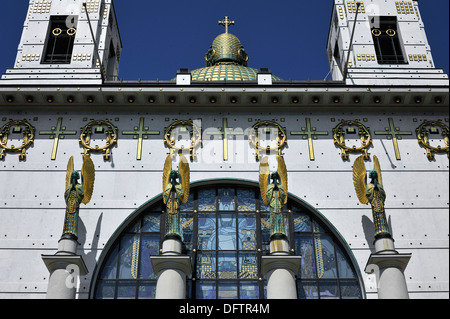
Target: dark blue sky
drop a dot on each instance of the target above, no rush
(289, 37)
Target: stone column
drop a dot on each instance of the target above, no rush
(389, 266)
(64, 267)
(280, 268)
(172, 268)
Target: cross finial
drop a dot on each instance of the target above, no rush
(226, 22)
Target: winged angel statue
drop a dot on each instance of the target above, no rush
(175, 193)
(274, 190)
(372, 193)
(76, 194)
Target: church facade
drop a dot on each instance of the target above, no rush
(226, 182)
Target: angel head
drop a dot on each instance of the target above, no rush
(174, 177)
(74, 177)
(276, 179)
(373, 175)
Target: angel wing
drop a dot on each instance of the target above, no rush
(88, 174)
(166, 172)
(359, 179)
(183, 169)
(282, 171)
(69, 171)
(264, 173)
(377, 167)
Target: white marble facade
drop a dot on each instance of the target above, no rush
(32, 189)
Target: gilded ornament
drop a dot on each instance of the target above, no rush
(309, 133)
(140, 133)
(111, 137)
(393, 133)
(225, 132)
(254, 139)
(423, 136)
(16, 126)
(364, 135)
(372, 193)
(56, 133)
(195, 137)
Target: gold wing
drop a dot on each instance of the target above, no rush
(359, 179)
(69, 171)
(166, 172)
(183, 169)
(377, 167)
(264, 172)
(88, 173)
(282, 171)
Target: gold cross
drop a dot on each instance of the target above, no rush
(225, 132)
(56, 134)
(395, 134)
(226, 22)
(140, 133)
(310, 134)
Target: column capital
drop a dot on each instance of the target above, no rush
(388, 260)
(54, 262)
(182, 263)
(269, 263)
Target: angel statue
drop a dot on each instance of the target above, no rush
(274, 190)
(372, 193)
(175, 193)
(76, 194)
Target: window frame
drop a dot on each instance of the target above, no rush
(48, 54)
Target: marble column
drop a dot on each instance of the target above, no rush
(65, 267)
(389, 265)
(172, 268)
(280, 267)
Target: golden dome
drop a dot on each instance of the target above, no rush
(226, 60)
(227, 72)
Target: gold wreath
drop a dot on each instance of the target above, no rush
(195, 135)
(364, 134)
(71, 31)
(56, 32)
(253, 138)
(424, 139)
(111, 138)
(28, 138)
(376, 32)
(391, 32)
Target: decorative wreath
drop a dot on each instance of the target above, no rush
(364, 134)
(253, 138)
(111, 138)
(423, 132)
(28, 138)
(195, 134)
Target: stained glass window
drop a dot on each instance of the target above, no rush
(127, 272)
(246, 200)
(226, 231)
(226, 199)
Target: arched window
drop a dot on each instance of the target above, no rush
(225, 232)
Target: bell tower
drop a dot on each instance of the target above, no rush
(67, 42)
(380, 42)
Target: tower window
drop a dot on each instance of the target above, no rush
(387, 40)
(60, 40)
